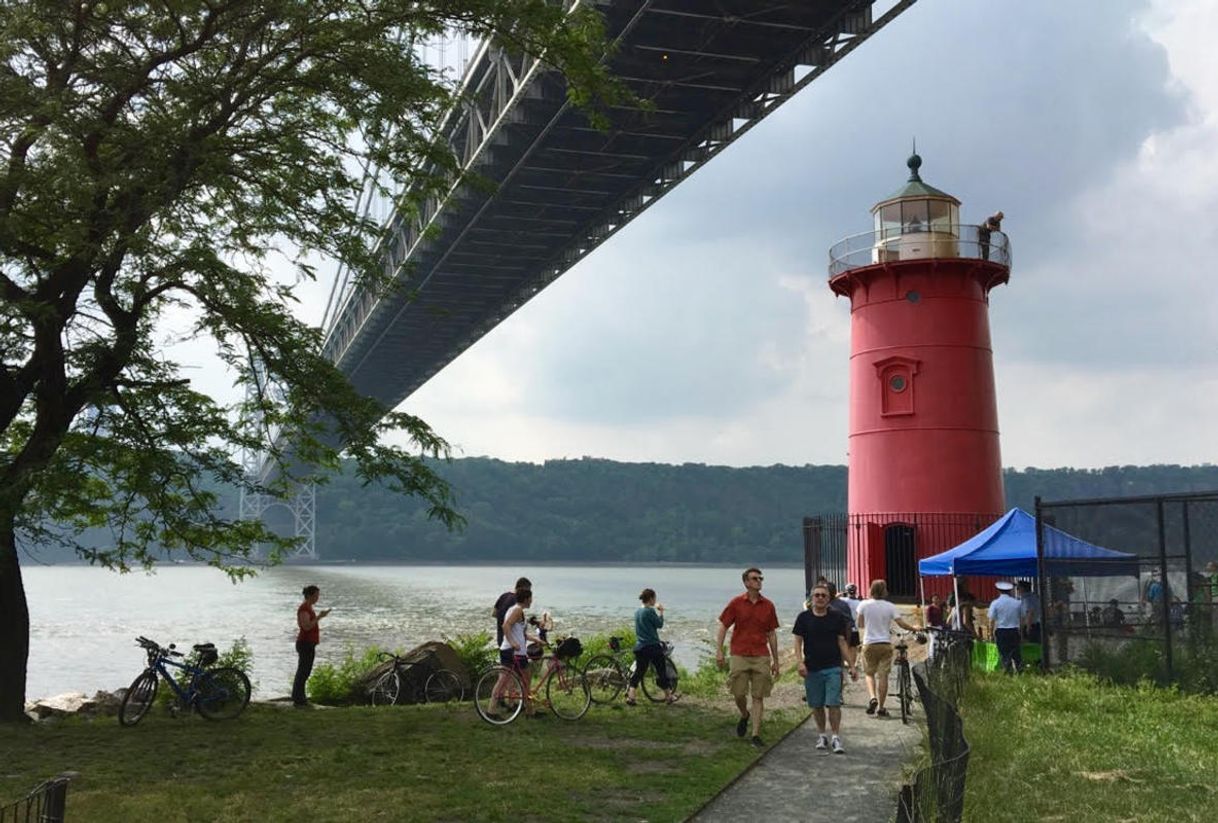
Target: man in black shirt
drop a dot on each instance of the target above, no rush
(505, 602)
(821, 646)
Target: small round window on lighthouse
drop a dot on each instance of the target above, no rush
(913, 296)
(897, 383)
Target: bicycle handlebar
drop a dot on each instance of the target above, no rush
(153, 646)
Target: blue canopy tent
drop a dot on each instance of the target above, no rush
(1008, 549)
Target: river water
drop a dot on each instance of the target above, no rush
(84, 620)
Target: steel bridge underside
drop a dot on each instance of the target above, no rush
(710, 69)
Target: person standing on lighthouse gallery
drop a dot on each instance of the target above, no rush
(754, 664)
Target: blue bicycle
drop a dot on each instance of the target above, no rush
(217, 694)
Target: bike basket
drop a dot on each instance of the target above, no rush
(570, 647)
(207, 653)
(615, 643)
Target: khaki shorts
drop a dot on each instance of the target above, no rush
(877, 659)
(749, 675)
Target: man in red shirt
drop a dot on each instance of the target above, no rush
(754, 664)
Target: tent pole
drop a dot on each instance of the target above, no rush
(922, 604)
(956, 611)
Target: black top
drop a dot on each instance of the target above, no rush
(820, 634)
(505, 602)
(843, 608)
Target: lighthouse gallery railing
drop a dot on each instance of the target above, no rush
(894, 244)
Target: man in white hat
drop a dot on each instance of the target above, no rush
(1005, 614)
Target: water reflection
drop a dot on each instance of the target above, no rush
(84, 620)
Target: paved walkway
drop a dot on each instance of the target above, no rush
(794, 781)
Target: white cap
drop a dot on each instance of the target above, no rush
(1004, 586)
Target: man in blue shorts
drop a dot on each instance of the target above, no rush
(821, 646)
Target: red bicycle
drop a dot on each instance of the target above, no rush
(500, 695)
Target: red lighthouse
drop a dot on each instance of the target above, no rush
(924, 464)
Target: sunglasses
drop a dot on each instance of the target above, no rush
(756, 577)
(820, 594)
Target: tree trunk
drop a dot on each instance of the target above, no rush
(14, 629)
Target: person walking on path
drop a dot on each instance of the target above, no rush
(648, 651)
(505, 602)
(876, 616)
(754, 624)
(821, 648)
(308, 635)
(1005, 614)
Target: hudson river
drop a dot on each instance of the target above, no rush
(84, 620)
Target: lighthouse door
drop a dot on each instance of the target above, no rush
(900, 560)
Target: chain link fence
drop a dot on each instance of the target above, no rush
(1157, 619)
(935, 793)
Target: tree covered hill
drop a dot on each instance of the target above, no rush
(593, 510)
(600, 510)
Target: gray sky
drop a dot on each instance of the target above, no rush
(705, 331)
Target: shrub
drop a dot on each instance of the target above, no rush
(333, 685)
(477, 651)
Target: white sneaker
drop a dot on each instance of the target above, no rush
(822, 742)
(838, 748)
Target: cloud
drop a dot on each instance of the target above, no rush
(705, 331)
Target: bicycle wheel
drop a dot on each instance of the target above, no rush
(386, 689)
(222, 694)
(655, 692)
(443, 687)
(905, 693)
(567, 693)
(139, 699)
(605, 679)
(499, 706)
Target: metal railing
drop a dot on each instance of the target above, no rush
(924, 241)
(935, 793)
(45, 804)
(840, 545)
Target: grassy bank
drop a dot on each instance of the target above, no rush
(412, 762)
(1069, 748)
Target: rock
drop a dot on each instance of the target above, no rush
(426, 659)
(71, 703)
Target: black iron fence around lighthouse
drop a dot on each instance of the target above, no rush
(885, 545)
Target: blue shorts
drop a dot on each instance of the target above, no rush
(824, 687)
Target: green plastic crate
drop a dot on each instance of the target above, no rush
(985, 655)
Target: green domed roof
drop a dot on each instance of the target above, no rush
(914, 187)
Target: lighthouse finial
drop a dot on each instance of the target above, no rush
(914, 163)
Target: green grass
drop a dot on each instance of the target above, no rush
(411, 762)
(1071, 748)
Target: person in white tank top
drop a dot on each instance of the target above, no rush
(513, 651)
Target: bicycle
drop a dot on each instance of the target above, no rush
(900, 661)
(500, 695)
(607, 676)
(217, 694)
(441, 686)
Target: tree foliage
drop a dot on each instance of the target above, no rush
(155, 155)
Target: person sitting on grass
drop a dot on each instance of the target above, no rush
(648, 650)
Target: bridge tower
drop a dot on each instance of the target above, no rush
(301, 503)
(924, 465)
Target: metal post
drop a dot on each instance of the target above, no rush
(1042, 585)
(1166, 591)
(1193, 620)
(810, 554)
